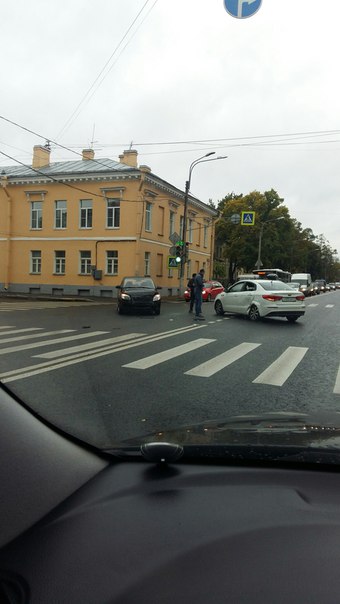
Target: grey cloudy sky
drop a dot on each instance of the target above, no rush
(186, 73)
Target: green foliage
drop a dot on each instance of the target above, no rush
(284, 243)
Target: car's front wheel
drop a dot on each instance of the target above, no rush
(120, 310)
(219, 308)
(254, 314)
(157, 310)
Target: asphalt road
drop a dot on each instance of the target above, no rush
(106, 378)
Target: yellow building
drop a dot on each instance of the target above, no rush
(78, 227)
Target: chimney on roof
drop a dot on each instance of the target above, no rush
(88, 154)
(41, 156)
(129, 157)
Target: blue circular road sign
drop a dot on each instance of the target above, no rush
(241, 9)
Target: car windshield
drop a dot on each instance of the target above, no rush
(133, 282)
(147, 143)
(275, 285)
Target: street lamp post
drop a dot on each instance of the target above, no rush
(199, 160)
(258, 263)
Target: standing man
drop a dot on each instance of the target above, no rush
(191, 288)
(199, 281)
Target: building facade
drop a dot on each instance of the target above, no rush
(78, 227)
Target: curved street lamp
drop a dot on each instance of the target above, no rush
(258, 263)
(199, 160)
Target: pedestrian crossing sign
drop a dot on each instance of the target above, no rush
(172, 262)
(248, 218)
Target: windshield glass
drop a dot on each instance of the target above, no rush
(133, 282)
(145, 145)
(275, 285)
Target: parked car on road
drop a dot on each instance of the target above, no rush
(262, 298)
(138, 293)
(209, 292)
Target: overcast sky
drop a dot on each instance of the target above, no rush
(184, 72)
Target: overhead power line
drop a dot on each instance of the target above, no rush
(97, 82)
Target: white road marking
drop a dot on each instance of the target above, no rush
(337, 383)
(14, 331)
(31, 305)
(312, 305)
(90, 346)
(7, 326)
(279, 371)
(221, 361)
(329, 306)
(161, 357)
(24, 372)
(34, 335)
(49, 342)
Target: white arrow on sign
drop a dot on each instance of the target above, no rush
(240, 6)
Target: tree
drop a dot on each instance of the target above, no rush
(240, 243)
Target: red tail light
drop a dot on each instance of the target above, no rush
(300, 298)
(271, 297)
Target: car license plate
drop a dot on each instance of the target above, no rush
(288, 299)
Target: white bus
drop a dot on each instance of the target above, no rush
(273, 273)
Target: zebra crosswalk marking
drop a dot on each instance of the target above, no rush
(161, 357)
(49, 342)
(279, 371)
(33, 335)
(337, 383)
(214, 365)
(31, 305)
(37, 369)
(90, 346)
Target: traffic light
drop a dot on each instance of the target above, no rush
(179, 253)
(182, 251)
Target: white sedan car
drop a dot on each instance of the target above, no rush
(261, 298)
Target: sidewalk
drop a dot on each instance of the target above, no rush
(49, 297)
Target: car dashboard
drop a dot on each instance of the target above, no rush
(81, 527)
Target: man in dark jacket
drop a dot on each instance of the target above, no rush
(191, 288)
(199, 282)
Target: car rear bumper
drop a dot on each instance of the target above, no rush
(285, 313)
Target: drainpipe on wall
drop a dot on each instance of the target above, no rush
(3, 185)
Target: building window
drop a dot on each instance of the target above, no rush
(148, 216)
(36, 262)
(161, 221)
(171, 223)
(181, 224)
(190, 222)
(205, 235)
(147, 257)
(112, 262)
(159, 265)
(199, 231)
(59, 262)
(86, 214)
(188, 269)
(60, 214)
(36, 215)
(113, 213)
(85, 263)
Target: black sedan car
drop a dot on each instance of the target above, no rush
(138, 293)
